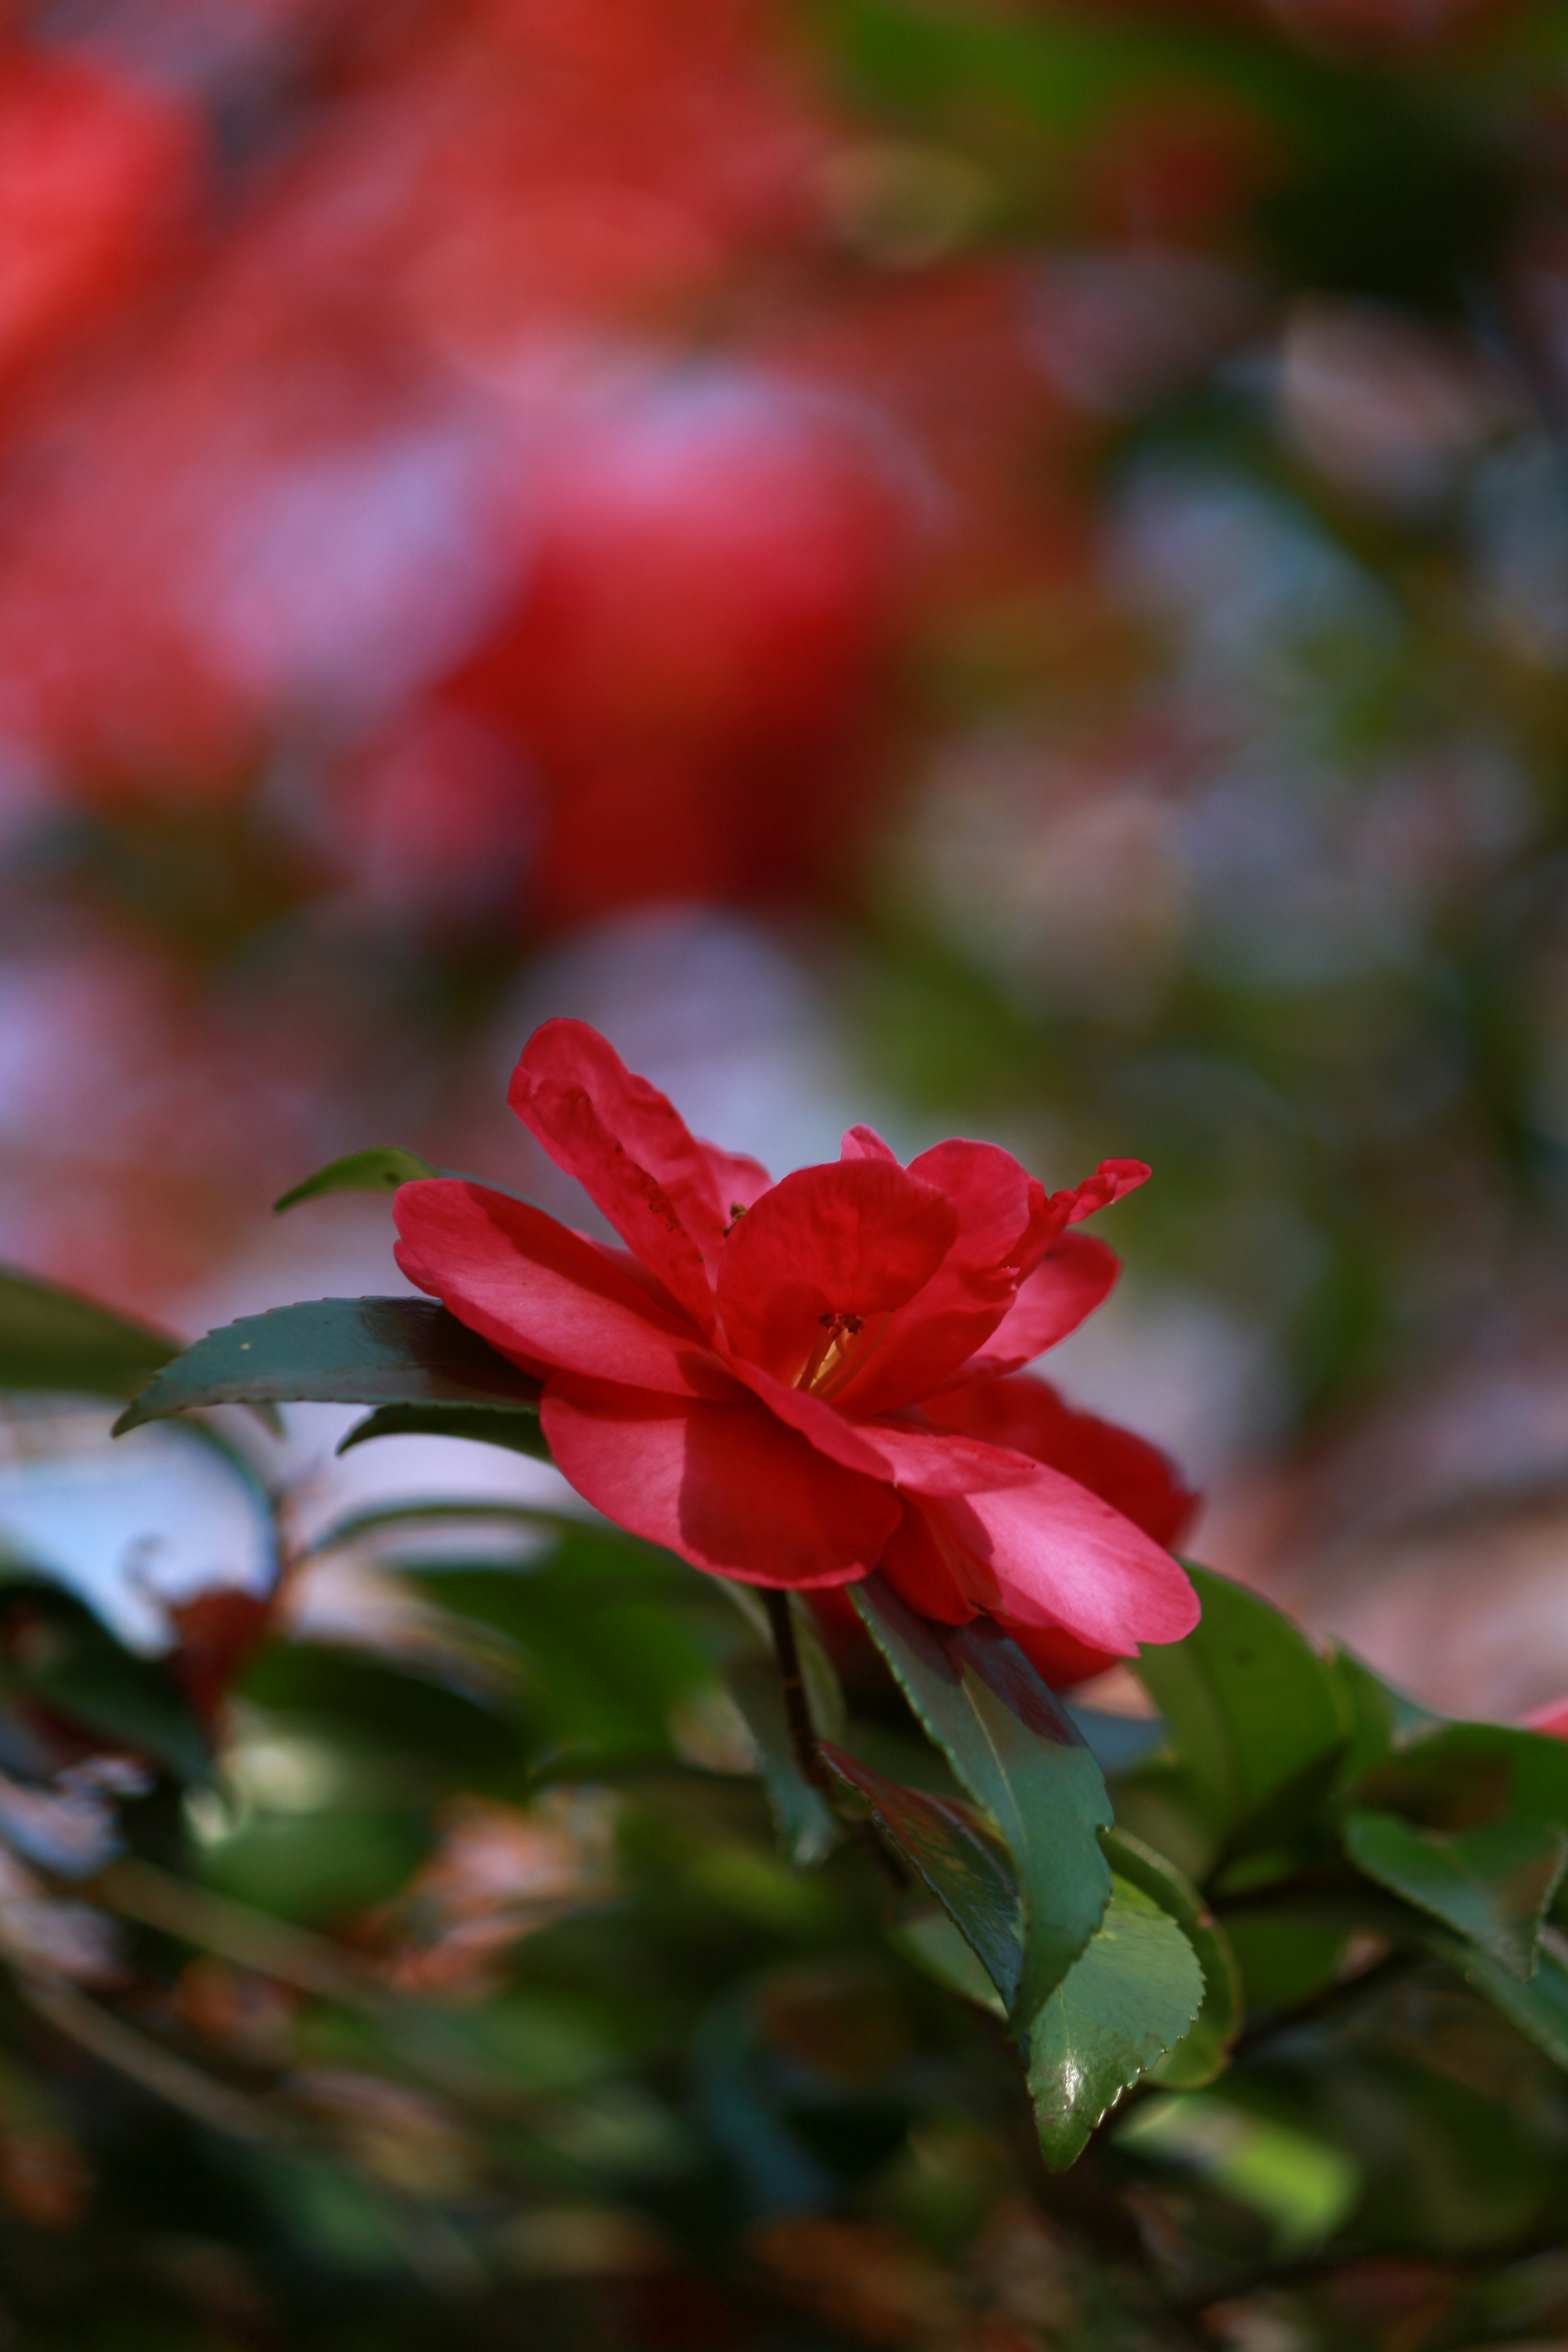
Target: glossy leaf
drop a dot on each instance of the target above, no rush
(515, 1427)
(949, 1848)
(1205, 2049)
(336, 1352)
(1492, 1886)
(1013, 1747)
(1130, 1998)
(381, 1168)
(52, 1340)
(1258, 1720)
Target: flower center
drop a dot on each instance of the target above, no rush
(830, 1357)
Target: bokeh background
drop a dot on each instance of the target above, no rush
(997, 568)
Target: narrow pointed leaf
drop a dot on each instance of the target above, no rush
(1013, 1747)
(381, 1168)
(52, 1338)
(1492, 1886)
(515, 1427)
(959, 1863)
(1539, 2009)
(1130, 1998)
(1259, 1720)
(1204, 2050)
(336, 1352)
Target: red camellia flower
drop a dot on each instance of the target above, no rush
(797, 1384)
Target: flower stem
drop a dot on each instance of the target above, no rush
(792, 1683)
(803, 1739)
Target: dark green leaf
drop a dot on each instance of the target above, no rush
(1461, 1775)
(51, 1338)
(1382, 1716)
(381, 1168)
(1203, 2050)
(1259, 1720)
(516, 1427)
(1013, 1747)
(807, 1826)
(336, 1352)
(1130, 1998)
(56, 1653)
(960, 1864)
(1492, 1886)
(934, 1943)
(1539, 2009)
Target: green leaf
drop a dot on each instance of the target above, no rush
(1013, 1747)
(960, 1864)
(516, 1427)
(1382, 1716)
(336, 1352)
(1203, 2050)
(934, 1943)
(381, 1167)
(807, 1826)
(57, 1654)
(1539, 2009)
(1259, 1720)
(51, 1338)
(1130, 1998)
(1492, 1886)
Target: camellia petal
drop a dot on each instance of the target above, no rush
(738, 1179)
(1057, 1655)
(1047, 1552)
(631, 1151)
(1111, 1181)
(728, 1486)
(1028, 1415)
(1077, 1274)
(928, 1341)
(810, 1274)
(542, 1294)
(865, 1143)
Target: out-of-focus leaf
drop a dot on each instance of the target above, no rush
(1463, 1775)
(379, 1167)
(336, 1352)
(1259, 1720)
(1284, 1959)
(1130, 1998)
(516, 1427)
(930, 1939)
(318, 1867)
(1014, 1749)
(1539, 2009)
(1382, 1716)
(1299, 2184)
(56, 1653)
(52, 1340)
(610, 1634)
(391, 1707)
(1205, 2050)
(1492, 1886)
(956, 1858)
(807, 1826)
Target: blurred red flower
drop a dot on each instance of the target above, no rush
(795, 1383)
